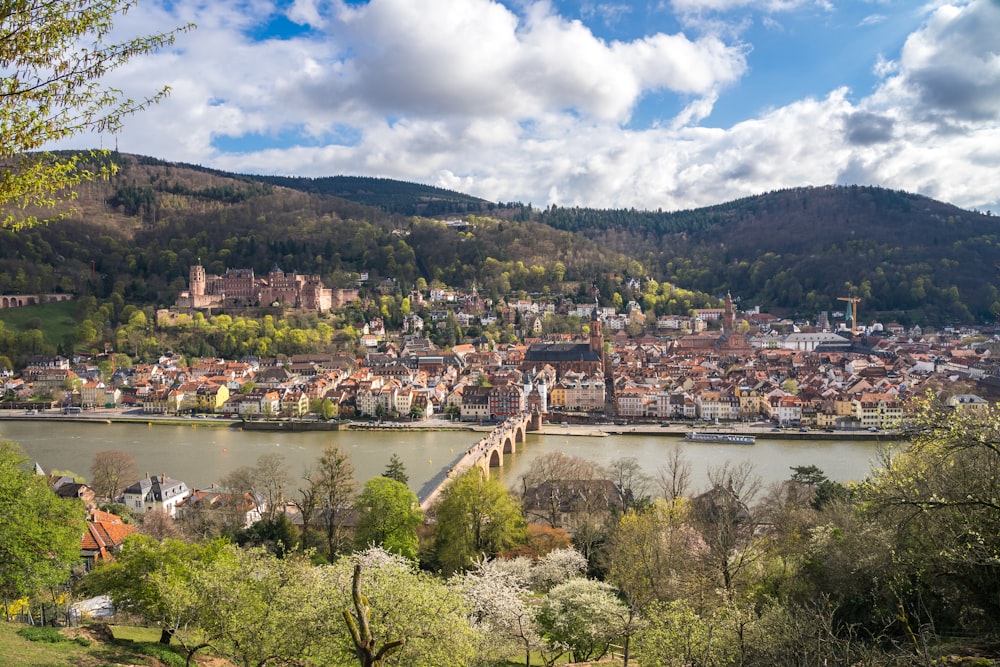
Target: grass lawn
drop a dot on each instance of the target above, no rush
(78, 648)
(134, 633)
(132, 646)
(55, 320)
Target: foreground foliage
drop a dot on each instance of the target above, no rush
(53, 56)
(39, 532)
(477, 517)
(808, 572)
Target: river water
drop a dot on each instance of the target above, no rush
(200, 455)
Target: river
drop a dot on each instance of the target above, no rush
(200, 454)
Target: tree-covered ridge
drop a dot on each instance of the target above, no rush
(801, 249)
(387, 194)
(154, 221)
(797, 251)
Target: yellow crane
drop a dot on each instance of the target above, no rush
(852, 308)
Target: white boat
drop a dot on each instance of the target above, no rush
(724, 438)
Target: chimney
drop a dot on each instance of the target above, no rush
(147, 475)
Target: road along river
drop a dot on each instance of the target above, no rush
(200, 454)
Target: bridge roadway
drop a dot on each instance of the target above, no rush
(488, 452)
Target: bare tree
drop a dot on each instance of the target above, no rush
(332, 484)
(265, 481)
(111, 471)
(272, 478)
(552, 480)
(159, 524)
(674, 476)
(627, 474)
(726, 520)
(306, 503)
(240, 480)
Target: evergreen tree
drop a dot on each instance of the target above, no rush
(396, 470)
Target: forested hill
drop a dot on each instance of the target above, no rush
(795, 251)
(389, 195)
(133, 238)
(905, 255)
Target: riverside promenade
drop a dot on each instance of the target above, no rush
(485, 454)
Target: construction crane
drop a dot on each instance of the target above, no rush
(852, 308)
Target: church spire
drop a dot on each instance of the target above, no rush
(729, 316)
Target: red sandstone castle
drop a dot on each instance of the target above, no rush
(239, 288)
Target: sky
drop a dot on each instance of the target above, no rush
(652, 104)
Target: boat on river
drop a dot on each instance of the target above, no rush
(723, 438)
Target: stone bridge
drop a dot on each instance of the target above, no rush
(489, 451)
(18, 300)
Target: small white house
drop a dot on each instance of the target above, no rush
(156, 493)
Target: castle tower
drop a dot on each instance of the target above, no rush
(197, 280)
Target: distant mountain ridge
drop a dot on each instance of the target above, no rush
(801, 248)
(389, 195)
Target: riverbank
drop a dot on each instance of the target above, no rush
(204, 455)
(769, 432)
(672, 430)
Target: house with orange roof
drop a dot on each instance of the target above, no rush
(103, 538)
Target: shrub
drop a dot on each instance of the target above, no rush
(165, 654)
(41, 633)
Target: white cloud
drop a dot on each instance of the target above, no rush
(468, 94)
(470, 57)
(952, 67)
(306, 12)
(695, 7)
(609, 13)
(873, 19)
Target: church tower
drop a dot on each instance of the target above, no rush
(197, 280)
(596, 335)
(729, 315)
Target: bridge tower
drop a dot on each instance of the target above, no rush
(535, 421)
